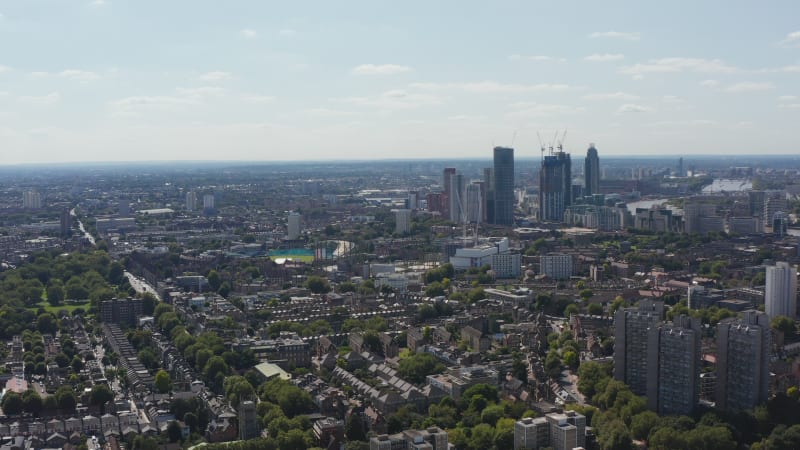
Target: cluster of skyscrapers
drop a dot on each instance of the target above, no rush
(661, 360)
(490, 200)
(556, 191)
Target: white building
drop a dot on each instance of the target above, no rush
(208, 201)
(191, 201)
(293, 226)
(31, 200)
(507, 265)
(479, 255)
(556, 266)
(402, 221)
(398, 282)
(780, 297)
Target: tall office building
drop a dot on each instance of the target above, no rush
(474, 202)
(208, 201)
(780, 296)
(488, 183)
(591, 172)
(31, 200)
(555, 187)
(503, 186)
(65, 224)
(402, 219)
(457, 198)
(446, 175)
(191, 200)
(673, 366)
(630, 342)
(293, 226)
(743, 348)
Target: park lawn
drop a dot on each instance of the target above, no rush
(302, 258)
(72, 306)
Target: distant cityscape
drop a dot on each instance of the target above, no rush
(499, 303)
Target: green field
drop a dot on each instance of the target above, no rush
(298, 254)
(55, 309)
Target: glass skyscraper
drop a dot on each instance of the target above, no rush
(503, 186)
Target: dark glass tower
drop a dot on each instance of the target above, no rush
(591, 172)
(503, 186)
(555, 187)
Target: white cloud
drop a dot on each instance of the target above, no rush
(248, 33)
(791, 69)
(611, 96)
(215, 76)
(4, 68)
(151, 102)
(200, 92)
(675, 65)
(327, 112)
(287, 32)
(628, 36)
(255, 98)
(604, 57)
(709, 83)
(672, 99)
(99, 3)
(535, 110)
(789, 105)
(791, 40)
(394, 99)
(634, 108)
(540, 58)
(749, 86)
(787, 98)
(79, 75)
(48, 99)
(39, 74)
(493, 87)
(379, 69)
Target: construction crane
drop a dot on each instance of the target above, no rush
(561, 142)
(541, 144)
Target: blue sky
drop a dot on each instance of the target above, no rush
(98, 80)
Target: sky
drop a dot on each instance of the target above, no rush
(142, 80)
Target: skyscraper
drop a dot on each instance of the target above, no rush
(457, 198)
(673, 366)
(446, 175)
(191, 200)
(780, 297)
(293, 226)
(630, 343)
(503, 186)
(591, 172)
(743, 348)
(488, 183)
(555, 187)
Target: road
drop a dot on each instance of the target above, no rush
(80, 225)
(140, 285)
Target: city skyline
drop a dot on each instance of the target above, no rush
(113, 81)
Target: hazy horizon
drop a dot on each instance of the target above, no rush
(114, 81)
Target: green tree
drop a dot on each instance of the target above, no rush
(318, 285)
(174, 431)
(418, 366)
(643, 423)
(237, 389)
(163, 382)
(783, 324)
(66, 398)
(12, 404)
(214, 280)
(32, 402)
(354, 428)
(55, 294)
(100, 395)
(482, 437)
